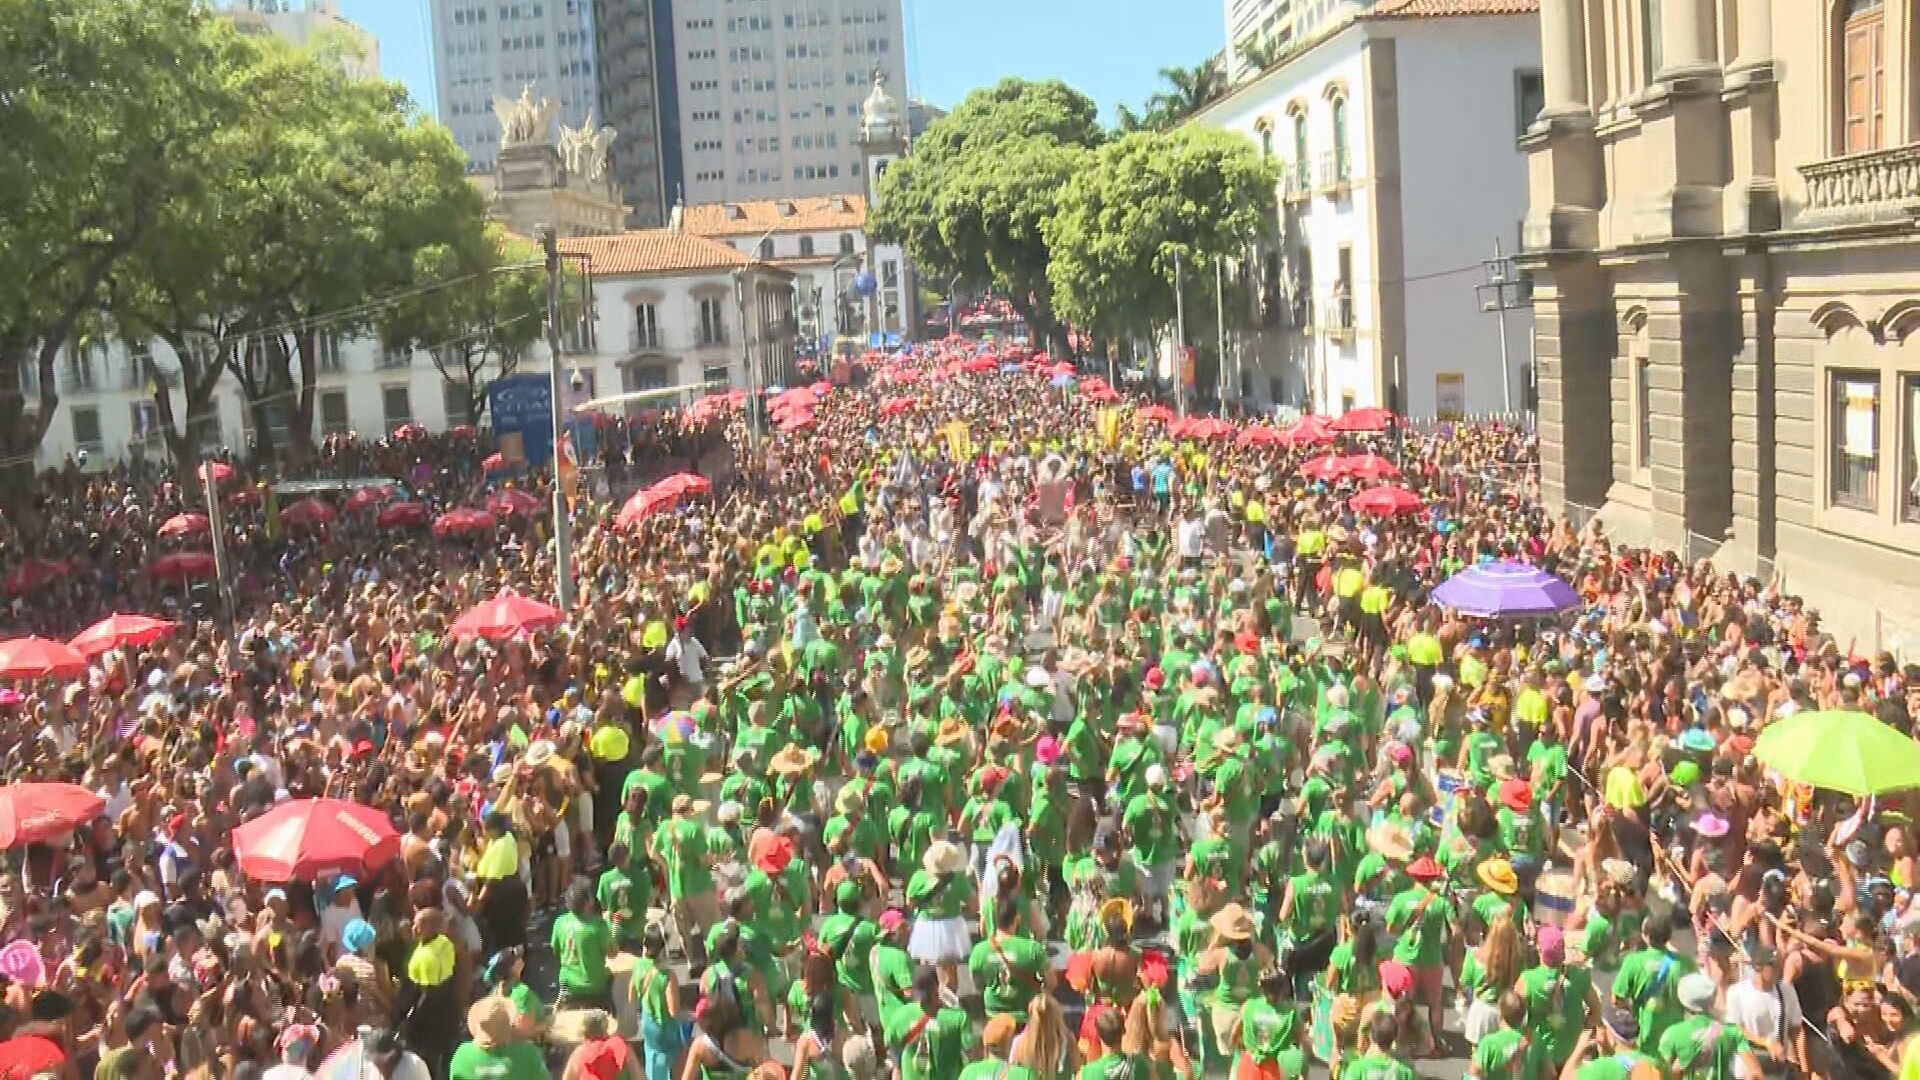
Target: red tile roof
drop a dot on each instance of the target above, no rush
(1449, 9)
(818, 213)
(653, 251)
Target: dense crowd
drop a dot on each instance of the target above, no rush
(985, 724)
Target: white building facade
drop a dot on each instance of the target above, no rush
(769, 93)
(1395, 135)
(1281, 26)
(483, 49)
(822, 242)
(669, 310)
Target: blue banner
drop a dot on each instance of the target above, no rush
(893, 339)
(876, 339)
(522, 407)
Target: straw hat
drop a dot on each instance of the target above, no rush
(1391, 841)
(877, 740)
(1498, 875)
(791, 761)
(1118, 907)
(850, 799)
(1227, 740)
(491, 1021)
(1232, 923)
(944, 857)
(952, 732)
(540, 753)
(687, 804)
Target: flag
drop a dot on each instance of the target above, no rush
(569, 467)
(1107, 423)
(273, 513)
(959, 441)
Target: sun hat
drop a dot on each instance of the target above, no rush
(892, 919)
(1553, 944)
(774, 856)
(1498, 875)
(1425, 869)
(1391, 841)
(491, 1021)
(1696, 992)
(1396, 978)
(1685, 773)
(1516, 795)
(792, 760)
(1232, 923)
(944, 857)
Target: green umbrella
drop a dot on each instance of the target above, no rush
(1424, 649)
(1841, 751)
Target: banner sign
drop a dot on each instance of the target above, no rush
(522, 407)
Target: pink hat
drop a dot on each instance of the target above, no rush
(1396, 978)
(1047, 750)
(1712, 826)
(892, 919)
(1553, 945)
(1399, 753)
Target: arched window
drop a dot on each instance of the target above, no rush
(846, 243)
(1862, 66)
(1266, 137)
(1300, 138)
(766, 248)
(806, 247)
(1341, 171)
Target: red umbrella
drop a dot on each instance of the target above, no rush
(1104, 395)
(980, 365)
(514, 503)
(245, 496)
(1368, 419)
(462, 431)
(1262, 435)
(183, 565)
(796, 421)
(215, 472)
(34, 657)
(1324, 467)
(1312, 430)
(1156, 413)
(408, 431)
(463, 522)
(683, 483)
(307, 514)
(896, 406)
(644, 504)
(505, 616)
(118, 631)
(308, 837)
(1369, 467)
(33, 573)
(403, 513)
(30, 813)
(183, 525)
(1210, 428)
(367, 498)
(1386, 499)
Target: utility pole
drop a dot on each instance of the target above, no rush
(756, 408)
(1220, 316)
(1179, 337)
(1503, 292)
(216, 530)
(562, 519)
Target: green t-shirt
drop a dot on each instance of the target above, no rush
(1377, 1066)
(892, 976)
(1423, 919)
(996, 1069)
(849, 940)
(1316, 904)
(527, 1003)
(1346, 976)
(512, 1061)
(1556, 1007)
(1648, 983)
(1010, 970)
(1618, 1066)
(1701, 1048)
(1269, 1030)
(929, 1047)
(582, 946)
(941, 896)
(1507, 1054)
(1523, 835)
(681, 844)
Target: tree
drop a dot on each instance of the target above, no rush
(1202, 193)
(1260, 53)
(107, 110)
(1188, 91)
(971, 199)
(477, 329)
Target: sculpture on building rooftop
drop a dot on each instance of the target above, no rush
(523, 121)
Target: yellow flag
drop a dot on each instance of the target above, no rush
(1107, 423)
(959, 441)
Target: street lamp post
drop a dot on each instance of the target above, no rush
(562, 519)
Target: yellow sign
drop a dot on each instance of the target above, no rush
(1449, 395)
(959, 441)
(1107, 423)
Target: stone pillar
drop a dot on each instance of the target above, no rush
(1563, 56)
(1754, 472)
(1683, 129)
(1691, 352)
(1573, 349)
(1752, 89)
(1686, 37)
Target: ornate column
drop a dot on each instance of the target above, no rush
(1686, 36)
(1563, 56)
(1752, 88)
(1564, 180)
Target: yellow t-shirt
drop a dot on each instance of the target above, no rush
(500, 860)
(432, 962)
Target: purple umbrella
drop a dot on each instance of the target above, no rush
(1506, 590)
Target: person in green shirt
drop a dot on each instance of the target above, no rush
(507, 974)
(622, 896)
(581, 941)
(496, 1050)
(890, 966)
(1560, 997)
(680, 847)
(995, 1042)
(929, 1039)
(1153, 821)
(656, 1000)
(1009, 967)
(1508, 1052)
(1611, 1052)
(1235, 961)
(1310, 911)
(1271, 1031)
(1109, 1027)
(1649, 980)
(1379, 1062)
(1522, 831)
(1424, 919)
(1701, 1047)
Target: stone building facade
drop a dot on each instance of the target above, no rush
(1727, 289)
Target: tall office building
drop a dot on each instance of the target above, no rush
(484, 49)
(305, 22)
(768, 94)
(1281, 26)
(633, 42)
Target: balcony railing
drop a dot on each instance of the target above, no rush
(1335, 172)
(643, 339)
(1861, 187)
(1295, 183)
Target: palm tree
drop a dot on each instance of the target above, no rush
(1192, 89)
(1260, 54)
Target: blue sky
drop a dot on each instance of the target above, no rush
(1110, 49)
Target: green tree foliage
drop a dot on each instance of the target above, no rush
(478, 329)
(108, 110)
(1188, 91)
(972, 198)
(1203, 193)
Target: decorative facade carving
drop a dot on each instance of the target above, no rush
(583, 150)
(1865, 185)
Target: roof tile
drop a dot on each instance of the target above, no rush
(653, 251)
(759, 216)
(1443, 9)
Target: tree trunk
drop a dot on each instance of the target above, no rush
(21, 432)
(300, 440)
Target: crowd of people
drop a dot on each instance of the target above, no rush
(975, 725)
